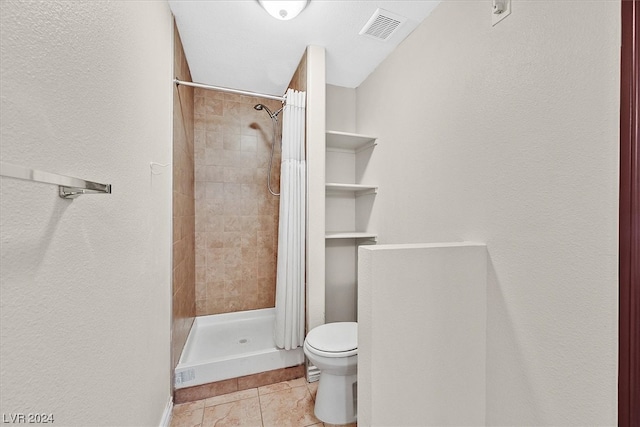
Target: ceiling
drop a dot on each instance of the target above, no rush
(236, 44)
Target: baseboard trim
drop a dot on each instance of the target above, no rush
(313, 373)
(165, 421)
(204, 391)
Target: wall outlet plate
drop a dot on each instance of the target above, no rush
(500, 9)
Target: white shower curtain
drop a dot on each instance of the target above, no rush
(290, 279)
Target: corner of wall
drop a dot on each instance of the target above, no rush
(316, 128)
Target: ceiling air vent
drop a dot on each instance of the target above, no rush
(382, 25)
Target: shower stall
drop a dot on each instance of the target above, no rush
(236, 162)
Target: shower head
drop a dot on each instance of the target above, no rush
(261, 107)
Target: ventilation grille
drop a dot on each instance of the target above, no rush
(382, 25)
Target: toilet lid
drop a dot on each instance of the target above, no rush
(336, 337)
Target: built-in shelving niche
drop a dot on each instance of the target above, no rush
(349, 203)
(342, 149)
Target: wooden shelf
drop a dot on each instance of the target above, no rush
(349, 141)
(357, 189)
(351, 235)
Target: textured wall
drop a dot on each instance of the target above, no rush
(509, 135)
(236, 216)
(85, 284)
(436, 292)
(183, 285)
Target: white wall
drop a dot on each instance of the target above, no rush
(508, 135)
(315, 135)
(85, 317)
(341, 108)
(434, 348)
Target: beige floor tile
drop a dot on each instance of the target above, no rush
(188, 407)
(284, 385)
(187, 418)
(244, 413)
(231, 397)
(288, 408)
(313, 389)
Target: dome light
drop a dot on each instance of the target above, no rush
(283, 9)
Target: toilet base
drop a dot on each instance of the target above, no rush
(337, 399)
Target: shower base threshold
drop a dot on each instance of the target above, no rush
(232, 345)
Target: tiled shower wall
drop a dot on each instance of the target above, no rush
(236, 218)
(183, 207)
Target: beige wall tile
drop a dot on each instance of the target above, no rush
(185, 140)
(214, 123)
(214, 190)
(232, 288)
(231, 140)
(236, 256)
(213, 107)
(214, 173)
(214, 140)
(216, 305)
(248, 143)
(215, 289)
(201, 290)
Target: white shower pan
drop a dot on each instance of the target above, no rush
(232, 345)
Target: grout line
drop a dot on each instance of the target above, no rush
(285, 389)
(203, 408)
(260, 405)
(231, 401)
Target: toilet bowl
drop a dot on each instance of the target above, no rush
(333, 349)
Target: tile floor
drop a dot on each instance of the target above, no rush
(285, 404)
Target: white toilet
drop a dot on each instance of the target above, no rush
(333, 348)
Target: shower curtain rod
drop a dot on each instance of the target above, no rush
(226, 89)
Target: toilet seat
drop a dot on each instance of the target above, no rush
(338, 339)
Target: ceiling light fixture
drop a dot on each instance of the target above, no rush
(283, 9)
